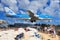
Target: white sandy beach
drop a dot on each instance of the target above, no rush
(11, 34)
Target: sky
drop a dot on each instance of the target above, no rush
(38, 7)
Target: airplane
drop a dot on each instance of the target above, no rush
(32, 16)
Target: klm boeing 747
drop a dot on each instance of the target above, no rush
(32, 17)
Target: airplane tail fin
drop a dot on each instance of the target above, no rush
(9, 11)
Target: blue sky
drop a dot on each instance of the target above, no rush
(39, 7)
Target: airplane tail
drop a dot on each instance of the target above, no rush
(9, 11)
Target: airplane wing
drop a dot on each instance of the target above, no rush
(37, 18)
(22, 18)
(44, 19)
(30, 13)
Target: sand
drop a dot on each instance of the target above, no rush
(11, 34)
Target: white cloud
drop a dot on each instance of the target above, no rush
(23, 3)
(11, 4)
(37, 4)
(14, 8)
(1, 7)
(34, 5)
(53, 9)
(22, 12)
(8, 2)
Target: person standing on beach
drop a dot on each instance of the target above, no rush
(53, 31)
